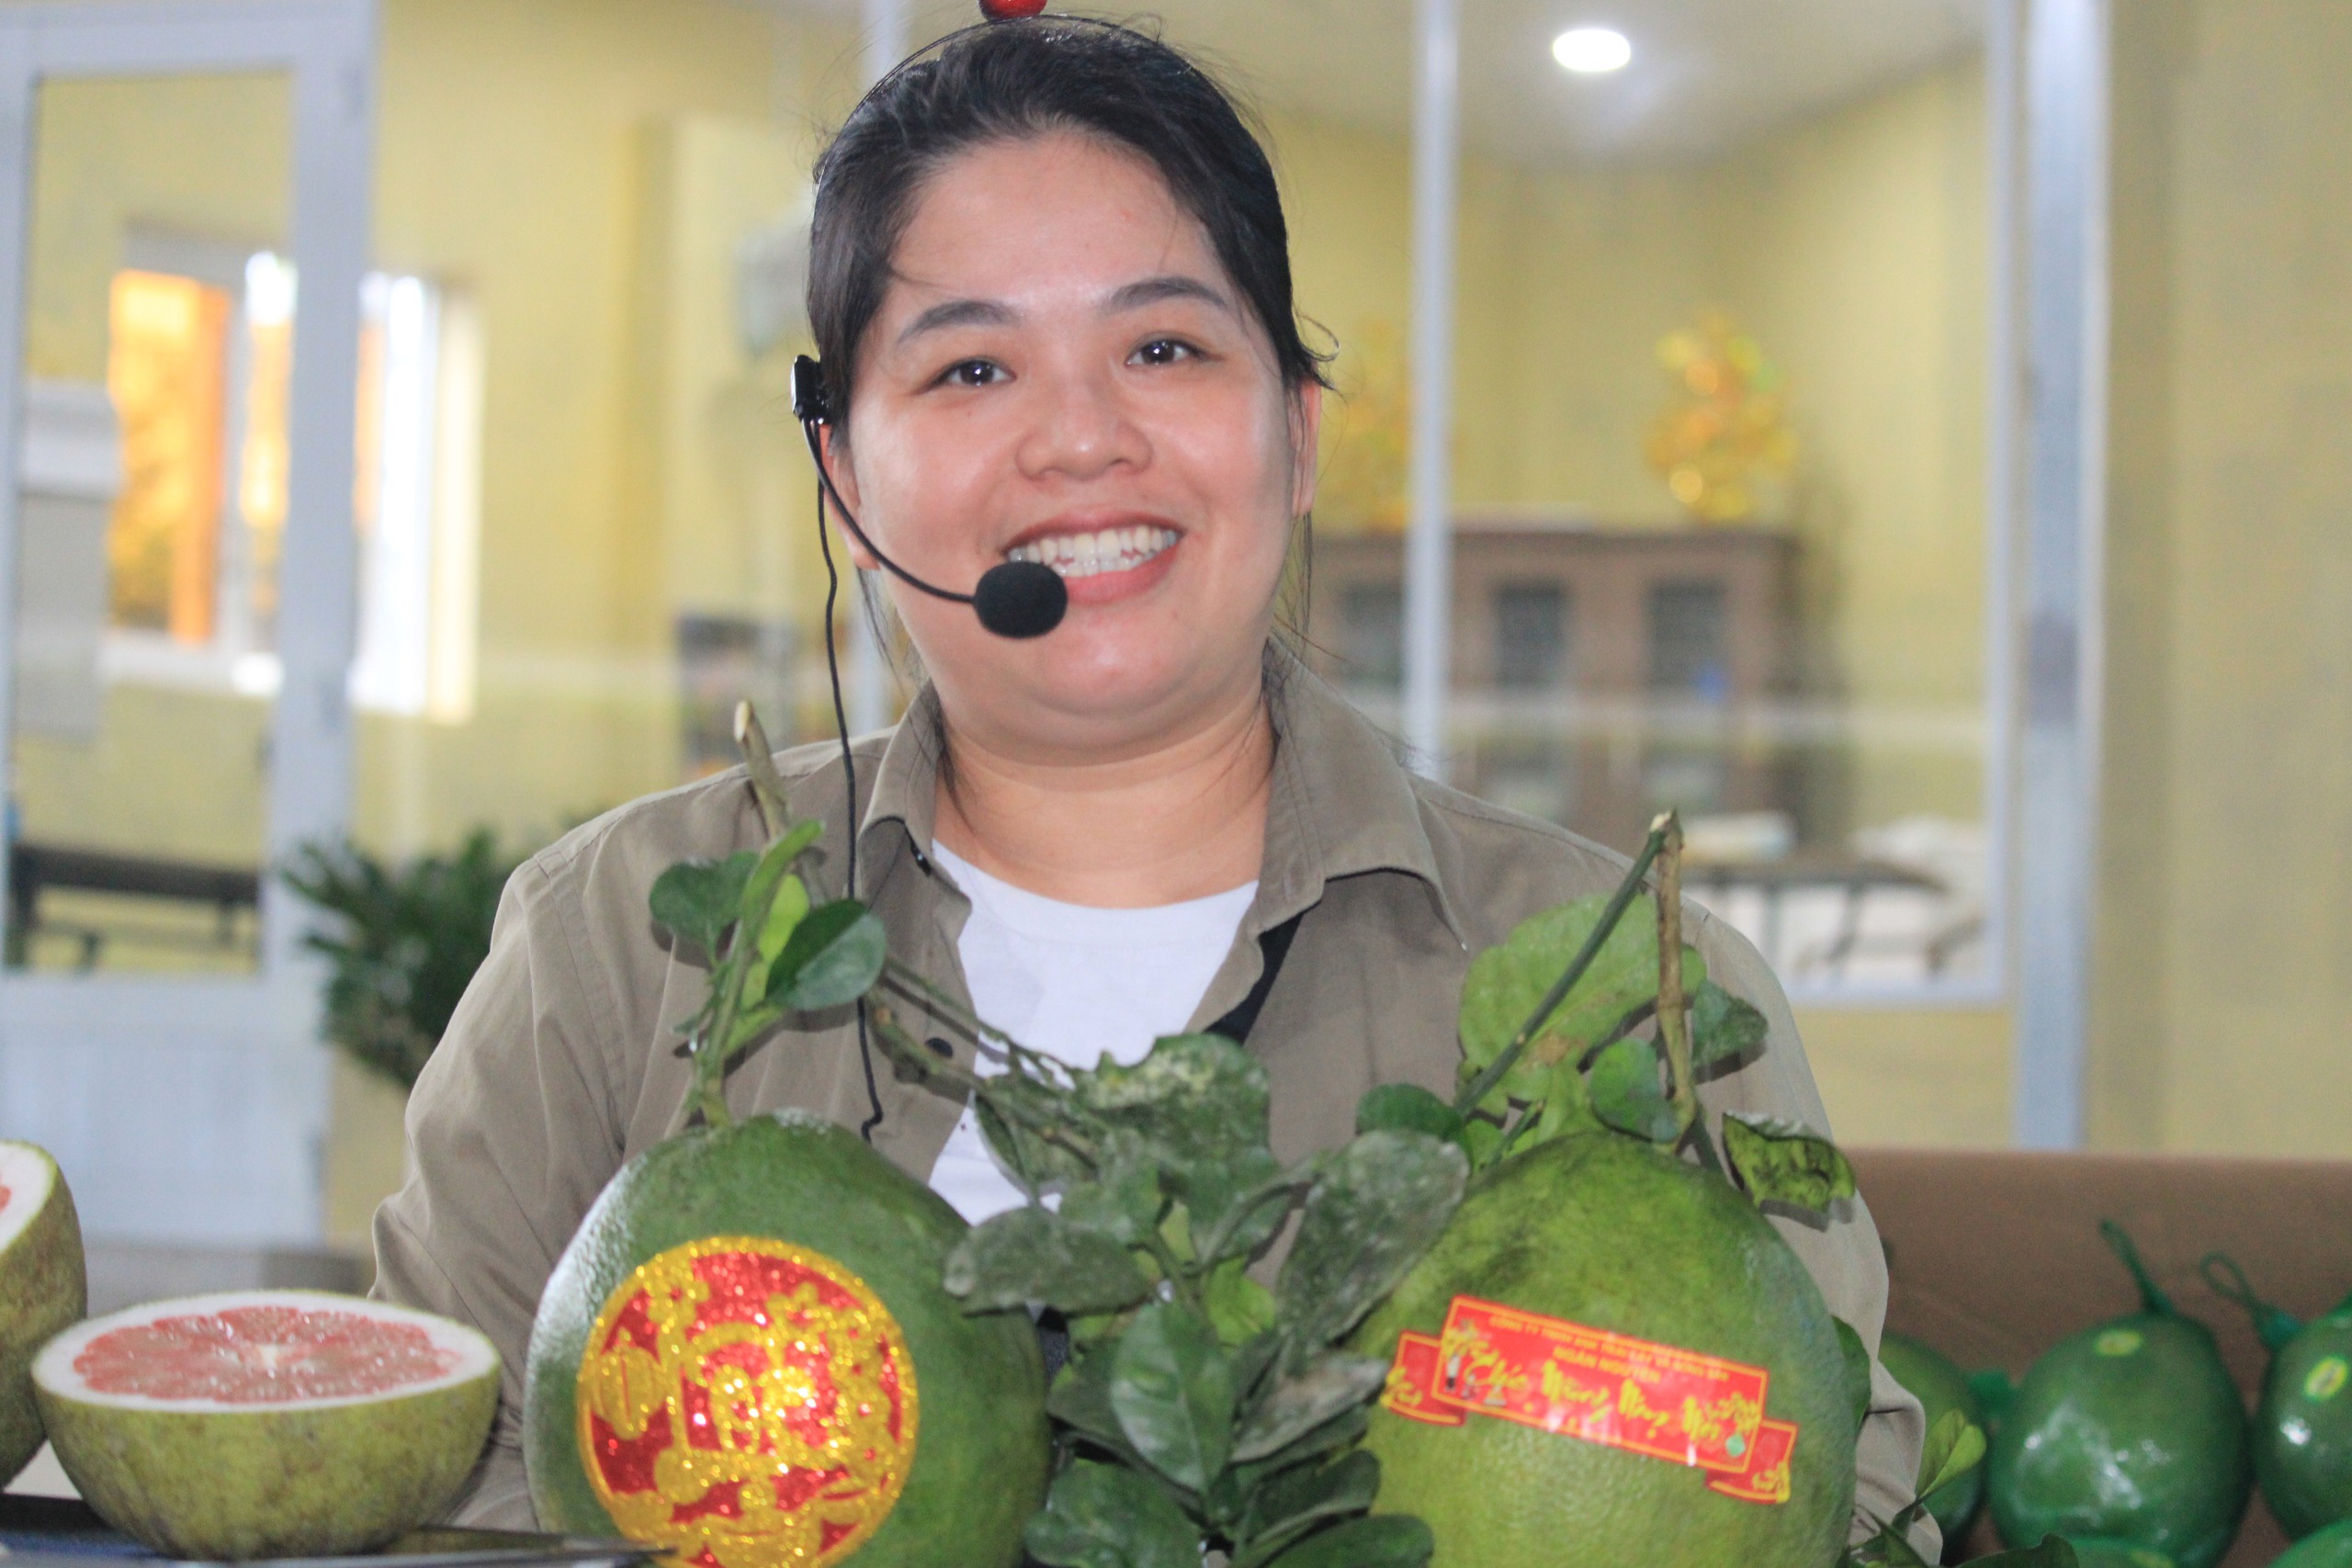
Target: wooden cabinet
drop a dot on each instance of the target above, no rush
(1599, 673)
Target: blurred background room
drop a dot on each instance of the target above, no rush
(1914, 437)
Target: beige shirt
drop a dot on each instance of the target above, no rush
(561, 1063)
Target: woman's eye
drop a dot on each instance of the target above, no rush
(1165, 351)
(973, 373)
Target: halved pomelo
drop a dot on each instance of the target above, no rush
(267, 1423)
(42, 1287)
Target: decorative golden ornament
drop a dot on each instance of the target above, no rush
(1727, 424)
(745, 1402)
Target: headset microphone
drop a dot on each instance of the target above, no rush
(1013, 599)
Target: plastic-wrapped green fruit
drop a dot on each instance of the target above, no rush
(1939, 1386)
(2101, 1551)
(2329, 1548)
(2302, 1429)
(2129, 1430)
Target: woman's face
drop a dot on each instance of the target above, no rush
(1061, 370)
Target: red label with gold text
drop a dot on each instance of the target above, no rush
(1411, 1390)
(747, 1403)
(1767, 1480)
(1635, 1394)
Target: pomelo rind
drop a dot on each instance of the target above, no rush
(1500, 1496)
(981, 1464)
(206, 1478)
(43, 1288)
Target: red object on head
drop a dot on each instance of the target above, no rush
(1006, 10)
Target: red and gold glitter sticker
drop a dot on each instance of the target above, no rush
(1601, 1387)
(747, 1403)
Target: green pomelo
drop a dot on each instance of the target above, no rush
(267, 1423)
(2302, 1430)
(767, 1405)
(42, 1288)
(1939, 1386)
(2101, 1551)
(1606, 1232)
(2328, 1548)
(2129, 1430)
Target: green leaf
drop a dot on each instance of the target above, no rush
(788, 905)
(1567, 1108)
(1122, 1197)
(2054, 1553)
(1172, 1389)
(1724, 1029)
(1197, 1093)
(833, 957)
(1506, 983)
(769, 873)
(1199, 1101)
(1321, 1391)
(1955, 1446)
(1408, 1108)
(796, 839)
(1080, 1398)
(697, 900)
(1045, 1161)
(1239, 1306)
(1780, 1162)
(1888, 1549)
(1101, 1516)
(1484, 1139)
(1378, 1541)
(1031, 1256)
(1627, 1095)
(1375, 1207)
(1858, 1369)
(1297, 1500)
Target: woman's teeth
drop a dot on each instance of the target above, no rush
(1086, 555)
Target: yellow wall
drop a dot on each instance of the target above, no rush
(2225, 906)
(513, 162)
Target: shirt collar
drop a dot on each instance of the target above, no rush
(1342, 805)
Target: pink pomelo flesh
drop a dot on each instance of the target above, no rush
(268, 1424)
(263, 1355)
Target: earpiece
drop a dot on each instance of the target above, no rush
(1013, 599)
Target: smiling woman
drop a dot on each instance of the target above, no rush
(1051, 287)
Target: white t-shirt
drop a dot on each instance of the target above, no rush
(1077, 983)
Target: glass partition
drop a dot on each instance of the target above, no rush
(1722, 391)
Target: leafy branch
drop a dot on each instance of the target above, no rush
(773, 952)
(1201, 1410)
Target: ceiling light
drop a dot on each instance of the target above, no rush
(1588, 51)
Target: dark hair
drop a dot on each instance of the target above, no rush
(1003, 81)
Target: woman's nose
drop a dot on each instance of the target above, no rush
(1081, 430)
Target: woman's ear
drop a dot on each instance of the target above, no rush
(1306, 436)
(843, 475)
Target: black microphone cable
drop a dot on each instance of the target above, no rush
(849, 780)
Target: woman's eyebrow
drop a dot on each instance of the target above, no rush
(959, 313)
(1170, 285)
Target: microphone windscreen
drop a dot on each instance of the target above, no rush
(1021, 599)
